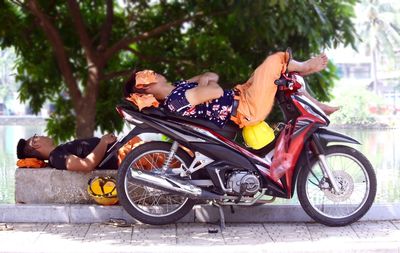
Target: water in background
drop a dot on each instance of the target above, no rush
(380, 146)
(9, 136)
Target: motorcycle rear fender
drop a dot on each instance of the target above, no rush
(117, 145)
(326, 136)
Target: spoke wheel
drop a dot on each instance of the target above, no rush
(147, 204)
(357, 187)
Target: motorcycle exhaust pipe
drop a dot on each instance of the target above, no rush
(172, 185)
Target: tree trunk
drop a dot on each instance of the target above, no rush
(86, 114)
(85, 120)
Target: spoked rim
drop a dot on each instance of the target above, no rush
(353, 181)
(150, 201)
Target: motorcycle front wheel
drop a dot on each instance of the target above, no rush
(146, 204)
(357, 182)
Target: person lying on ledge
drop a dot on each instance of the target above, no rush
(78, 155)
(202, 97)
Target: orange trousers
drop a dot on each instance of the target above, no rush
(256, 96)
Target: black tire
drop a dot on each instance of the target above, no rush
(330, 213)
(126, 197)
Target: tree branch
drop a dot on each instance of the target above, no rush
(125, 42)
(82, 33)
(55, 40)
(107, 26)
(158, 59)
(115, 74)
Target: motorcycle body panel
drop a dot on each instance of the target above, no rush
(218, 144)
(233, 171)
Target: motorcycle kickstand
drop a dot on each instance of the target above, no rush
(221, 215)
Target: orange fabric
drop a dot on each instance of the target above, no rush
(145, 77)
(144, 163)
(131, 144)
(31, 163)
(143, 100)
(256, 96)
(157, 159)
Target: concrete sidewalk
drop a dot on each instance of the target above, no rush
(364, 236)
(75, 213)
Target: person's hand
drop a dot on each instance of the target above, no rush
(203, 80)
(208, 77)
(108, 138)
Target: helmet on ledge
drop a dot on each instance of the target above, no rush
(258, 136)
(103, 190)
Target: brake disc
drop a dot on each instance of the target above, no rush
(346, 187)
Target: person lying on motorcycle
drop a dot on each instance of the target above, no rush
(202, 97)
(77, 155)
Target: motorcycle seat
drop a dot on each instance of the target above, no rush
(229, 130)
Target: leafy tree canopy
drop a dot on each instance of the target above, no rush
(78, 53)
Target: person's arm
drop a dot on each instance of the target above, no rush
(205, 78)
(89, 163)
(202, 94)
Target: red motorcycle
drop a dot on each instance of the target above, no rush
(160, 181)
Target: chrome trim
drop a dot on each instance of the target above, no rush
(165, 182)
(230, 190)
(171, 155)
(252, 202)
(201, 182)
(328, 172)
(130, 118)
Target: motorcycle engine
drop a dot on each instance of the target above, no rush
(238, 179)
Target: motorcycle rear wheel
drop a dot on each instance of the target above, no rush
(357, 182)
(146, 204)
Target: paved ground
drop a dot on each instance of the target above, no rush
(365, 236)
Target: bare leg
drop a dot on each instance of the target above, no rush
(310, 66)
(326, 108)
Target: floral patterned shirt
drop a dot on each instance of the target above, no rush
(218, 111)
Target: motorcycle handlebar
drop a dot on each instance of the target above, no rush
(282, 81)
(288, 82)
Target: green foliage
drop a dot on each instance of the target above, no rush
(355, 105)
(61, 120)
(7, 85)
(229, 37)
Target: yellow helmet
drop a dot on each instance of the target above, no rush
(258, 136)
(103, 190)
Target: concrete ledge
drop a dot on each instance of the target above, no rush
(203, 213)
(52, 186)
(43, 191)
(68, 213)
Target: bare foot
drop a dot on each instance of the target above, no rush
(328, 110)
(315, 64)
(310, 66)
